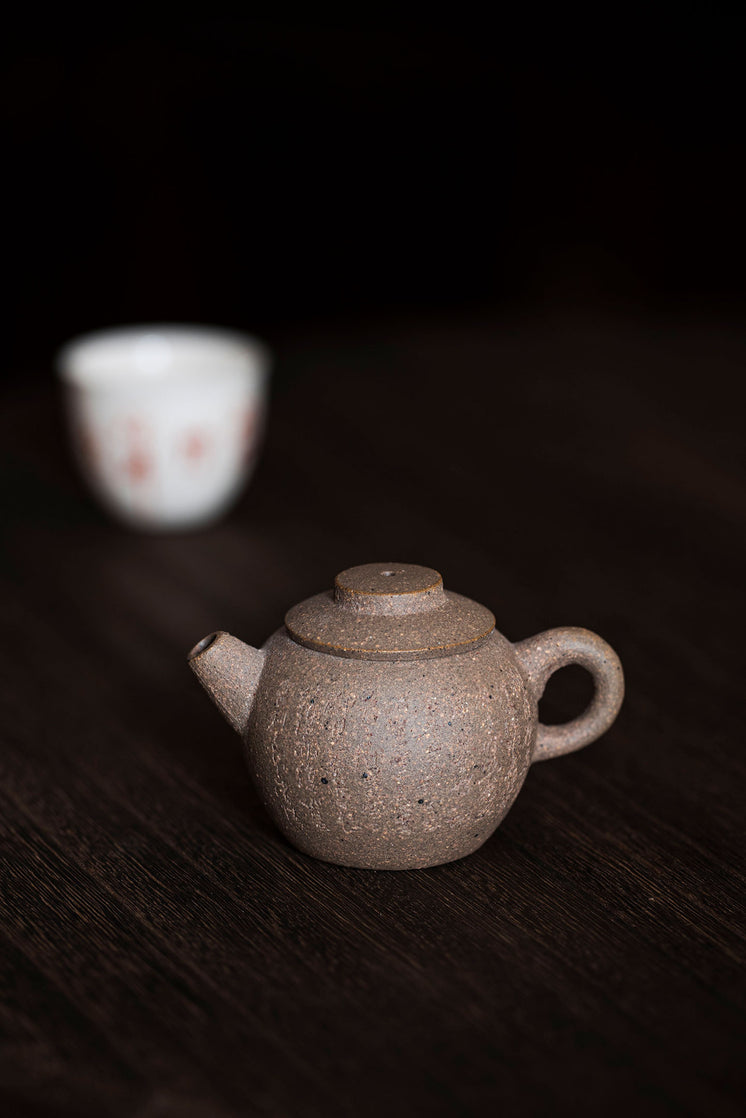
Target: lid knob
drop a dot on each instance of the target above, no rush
(393, 589)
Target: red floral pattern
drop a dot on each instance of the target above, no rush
(196, 445)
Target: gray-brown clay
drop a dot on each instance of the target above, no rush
(389, 725)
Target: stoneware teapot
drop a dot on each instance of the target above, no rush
(388, 724)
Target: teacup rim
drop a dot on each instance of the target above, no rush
(245, 353)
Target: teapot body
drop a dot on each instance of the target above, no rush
(388, 724)
(396, 764)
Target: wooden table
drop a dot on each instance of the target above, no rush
(166, 953)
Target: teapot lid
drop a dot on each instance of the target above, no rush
(389, 611)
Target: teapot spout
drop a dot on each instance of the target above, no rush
(229, 671)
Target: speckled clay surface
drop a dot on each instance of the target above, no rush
(388, 724)
(386, 613)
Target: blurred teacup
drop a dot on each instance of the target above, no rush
(166, 421)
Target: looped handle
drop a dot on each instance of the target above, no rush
(541, 656)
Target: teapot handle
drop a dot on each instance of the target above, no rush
(541, 656)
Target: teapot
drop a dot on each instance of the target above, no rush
(388, 724)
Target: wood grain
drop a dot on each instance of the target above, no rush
(164, 952)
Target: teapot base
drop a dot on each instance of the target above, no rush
(423, 862)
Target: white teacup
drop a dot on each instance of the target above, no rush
(165, 420)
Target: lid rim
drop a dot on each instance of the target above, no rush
(325, 625)
(433, 652)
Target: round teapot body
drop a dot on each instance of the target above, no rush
(395, 764)
(388, 725)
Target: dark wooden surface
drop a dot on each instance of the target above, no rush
(164, 952)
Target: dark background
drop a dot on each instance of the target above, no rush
(501, 271)
(266, 175)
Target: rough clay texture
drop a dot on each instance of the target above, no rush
(229, 671)
(389, 765)
(409, 759)
(543, 655)
(377, 612)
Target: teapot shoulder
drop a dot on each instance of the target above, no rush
(292, 669)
